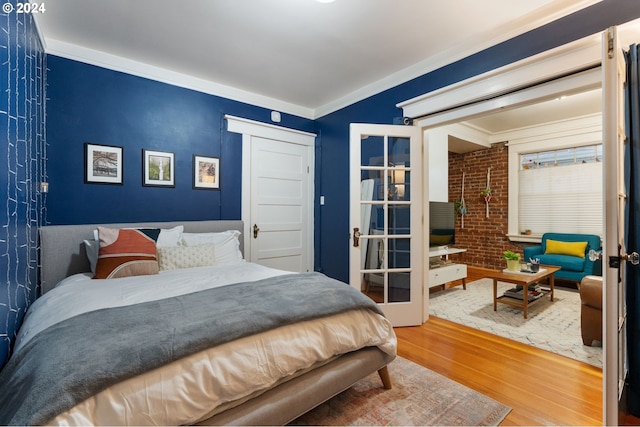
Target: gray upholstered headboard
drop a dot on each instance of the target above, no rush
(62, 252)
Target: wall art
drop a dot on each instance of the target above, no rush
(102, 164)
(158, 169)
(206, 172)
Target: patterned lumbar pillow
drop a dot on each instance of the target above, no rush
(126, 252)
(171, 258)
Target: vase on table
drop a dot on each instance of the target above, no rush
(513, 264)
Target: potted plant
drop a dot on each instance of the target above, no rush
(486, 193)
(513, 260)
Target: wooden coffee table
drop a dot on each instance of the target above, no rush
(523, 279)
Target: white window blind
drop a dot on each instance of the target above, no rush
(566, 199)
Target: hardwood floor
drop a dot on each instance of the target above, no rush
(542, 388)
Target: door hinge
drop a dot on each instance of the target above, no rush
(614, 262)
(610, 40)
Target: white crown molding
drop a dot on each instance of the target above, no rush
(140, 69)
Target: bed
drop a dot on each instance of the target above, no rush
(143, 351)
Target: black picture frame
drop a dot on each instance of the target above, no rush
(103, 164)
(206, 172)
(158, 168)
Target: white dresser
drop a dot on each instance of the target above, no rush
(442, 271)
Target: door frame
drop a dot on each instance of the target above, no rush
(251, 128)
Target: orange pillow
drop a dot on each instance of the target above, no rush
(126, 252)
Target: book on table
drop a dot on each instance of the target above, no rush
(534, 292)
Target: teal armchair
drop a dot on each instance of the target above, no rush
(573, 268)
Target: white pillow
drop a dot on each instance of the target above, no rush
(92, 248)
(170, 236)
(174, 257)
(226, 243)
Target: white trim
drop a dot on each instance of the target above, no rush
(267, 130)
(553, 136)
(560, 61)
(581, 82)
(140, 69)
(249, 129)
(553, 131)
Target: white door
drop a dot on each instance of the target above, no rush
(386, 255)
(615, 254)
(279, 211)
(277, 194)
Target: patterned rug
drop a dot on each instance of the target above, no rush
(418, 397)
(552, 326)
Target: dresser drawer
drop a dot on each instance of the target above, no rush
(449, 273)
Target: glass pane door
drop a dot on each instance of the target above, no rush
(387, 212)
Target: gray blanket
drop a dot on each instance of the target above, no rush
(77, 358)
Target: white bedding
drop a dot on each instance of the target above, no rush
(80, 293)
(195, 388)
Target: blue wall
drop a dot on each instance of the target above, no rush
(93, 104)
(334, 128)
(22, 158)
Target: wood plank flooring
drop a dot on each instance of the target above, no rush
(542, 388)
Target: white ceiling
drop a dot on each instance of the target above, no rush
(580, 104)
(297, 56)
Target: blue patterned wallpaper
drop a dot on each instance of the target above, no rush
(22, 168)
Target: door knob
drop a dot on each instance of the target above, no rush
(633, 258)
(356, 237)
(256, 230)
(594, 255)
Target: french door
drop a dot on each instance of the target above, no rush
(386, 254)
(615, 256)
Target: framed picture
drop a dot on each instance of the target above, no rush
(158, 169)
(102, 164)
(206, 172)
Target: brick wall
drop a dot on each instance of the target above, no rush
(484, 238)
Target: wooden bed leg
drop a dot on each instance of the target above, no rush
(384, 376)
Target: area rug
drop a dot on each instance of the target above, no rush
(552, 326)
(419, 396)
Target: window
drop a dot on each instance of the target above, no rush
(561, 190)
